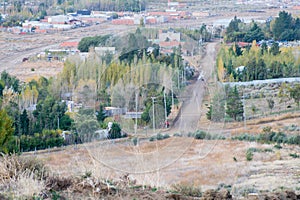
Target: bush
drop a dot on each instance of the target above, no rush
(187, 190)
(166, 136)
(277, 146)
(200, 135)
(249, 155)
(153, 138)
(177, 135)
(135, 141)
(294, 155)
(159, 136)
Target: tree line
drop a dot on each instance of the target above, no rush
(256, 62)
(33, 114)
(282, 28)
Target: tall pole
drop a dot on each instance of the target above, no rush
(172, 92)
(153, 113)
(165, 102)
(244, 112)
(136, 110)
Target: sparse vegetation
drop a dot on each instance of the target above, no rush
(159, 136)
(272, 137)
(187, 190)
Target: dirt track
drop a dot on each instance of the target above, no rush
(192, 98)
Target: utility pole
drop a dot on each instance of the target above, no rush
(136, 110)
(165, 102)
(244, 112)
(153, 113)
(172, 92)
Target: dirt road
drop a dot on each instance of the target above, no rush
(192, 98)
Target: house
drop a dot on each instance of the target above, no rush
(103, 50)
(169, 35)
(83, 12)
(69, 46)
(113, 111)
(123, 21)
(58, 19)
(133, 115)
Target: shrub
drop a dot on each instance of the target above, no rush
(187, 190)
(177, 135)
(277, 146)
(200, 135)
(166, 136)
(268, 150)
(153, 138)
(294, 155)
(190, 134)
(249, 155)
(135, 141)
(159, 136)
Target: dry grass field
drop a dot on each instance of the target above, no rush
(185, 161)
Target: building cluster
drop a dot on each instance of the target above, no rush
(86, 17)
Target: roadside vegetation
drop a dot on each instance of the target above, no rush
(36, 113)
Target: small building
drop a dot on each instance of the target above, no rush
(113, 111)
(133, 115)
(123, 21)
(69, 46)
(103, 50)
(169, 35)
(58, 19)
(83, 12)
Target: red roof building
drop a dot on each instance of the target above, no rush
(69, 45)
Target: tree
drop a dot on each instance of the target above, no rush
(233, 32)
(24, 123)
(48, 113)
(6, 131)
(295, 93)
(283, 93)
(115, 131)
(86, 125)
(10, 81)
(100, 114)
(271, 104)
(234, 107)
(216, 110)
(255, 33)
(284, 22)
(274, 50)
(87, 42)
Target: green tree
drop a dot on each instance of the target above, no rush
(86, 125)
(274, 50)
(24, 123)
(271, 103)
(87, 42)
(10, 81)
(216, 110)
(48, 113)
(115, 131)
(283, 23)
(295, 93)
(234, 106)
(6, 131)
(255, 33)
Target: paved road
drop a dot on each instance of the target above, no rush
(193, 96)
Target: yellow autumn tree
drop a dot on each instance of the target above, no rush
(220, 70)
